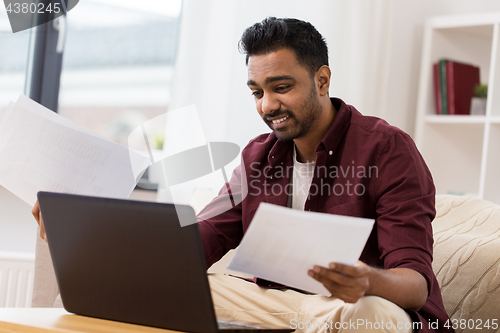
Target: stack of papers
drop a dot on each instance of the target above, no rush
(42, 151)
(282, 244)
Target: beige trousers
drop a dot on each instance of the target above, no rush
(238, 299)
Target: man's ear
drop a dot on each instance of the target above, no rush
(323, 79)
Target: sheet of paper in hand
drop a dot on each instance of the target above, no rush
(42, 151)
(282, 244)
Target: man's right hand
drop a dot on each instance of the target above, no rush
(38, 217)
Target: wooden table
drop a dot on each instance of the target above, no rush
(57, 320)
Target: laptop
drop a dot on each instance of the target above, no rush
(131, 261)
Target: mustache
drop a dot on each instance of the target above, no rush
(281, 113)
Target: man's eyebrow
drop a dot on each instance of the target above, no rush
(271, 79)
(279, 78)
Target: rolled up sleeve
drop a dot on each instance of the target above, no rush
(405, 208)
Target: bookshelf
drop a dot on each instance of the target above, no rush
(462, 151)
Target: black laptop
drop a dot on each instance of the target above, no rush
(131, 261)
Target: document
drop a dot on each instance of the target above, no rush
(42, 151)
(282, 244)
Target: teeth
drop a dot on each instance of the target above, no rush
(277, 121)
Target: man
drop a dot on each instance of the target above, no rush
(289, 77)
(349, 164)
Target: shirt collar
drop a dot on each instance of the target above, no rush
(332, 138)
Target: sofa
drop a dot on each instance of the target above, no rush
(466, 263)
(467, 260)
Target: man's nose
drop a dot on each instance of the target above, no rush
(270, 104)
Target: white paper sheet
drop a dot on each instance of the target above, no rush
(42, 151)
(30, 105)
(4, 115)
(282, 244)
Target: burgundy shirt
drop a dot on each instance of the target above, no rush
(364, 168)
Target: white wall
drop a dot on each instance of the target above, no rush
(375, 51)
(406, 48)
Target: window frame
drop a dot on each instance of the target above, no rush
(43, 74)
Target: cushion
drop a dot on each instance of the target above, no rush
(467, 257)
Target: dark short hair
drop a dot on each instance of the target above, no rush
(273, 34)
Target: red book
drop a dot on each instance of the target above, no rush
(460, 81)
(437, 89)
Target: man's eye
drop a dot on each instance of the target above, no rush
(282, 88)
(256, 93)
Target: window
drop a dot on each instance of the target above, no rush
(13, 61)
(118, 64)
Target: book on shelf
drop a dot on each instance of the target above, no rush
(461, 79)
(443, 86)
(437, 89)
(454, 84)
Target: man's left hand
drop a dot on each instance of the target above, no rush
(349, 283)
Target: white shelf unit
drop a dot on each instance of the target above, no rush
(462, 151)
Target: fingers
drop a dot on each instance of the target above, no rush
(328, 275)
(36, 212)
(38, 217)
(360, 269)
(42, 231)
(348, 283)
(349, 294)
(343, 274)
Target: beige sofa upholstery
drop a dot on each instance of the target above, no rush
(467, 257)
(466, 260)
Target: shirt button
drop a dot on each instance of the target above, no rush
(330, 152)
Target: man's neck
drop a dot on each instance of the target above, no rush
(306, 145)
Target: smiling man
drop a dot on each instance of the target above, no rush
(392, 288)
